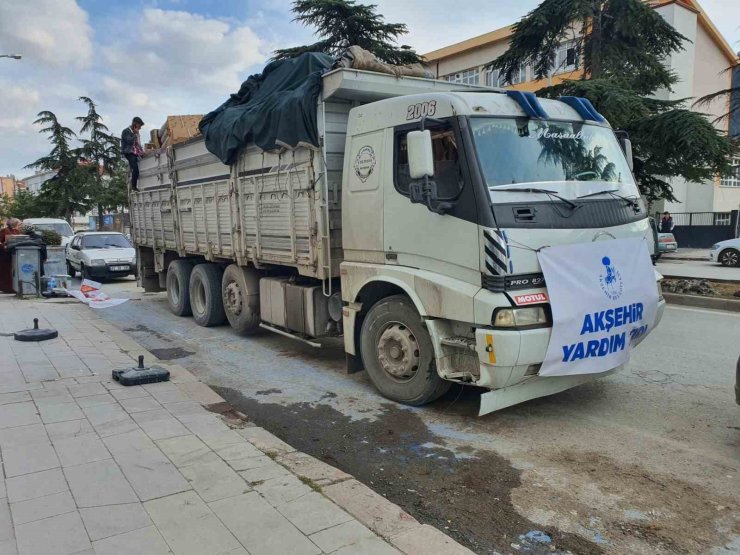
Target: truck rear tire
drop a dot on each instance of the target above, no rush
(205, 295)
(398, 354)
(178, 287)
(240, 292)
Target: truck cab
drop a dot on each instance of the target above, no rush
(505, 178)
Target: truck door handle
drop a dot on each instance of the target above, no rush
(524, 214)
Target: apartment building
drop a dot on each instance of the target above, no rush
(9, 185)
(700, 68)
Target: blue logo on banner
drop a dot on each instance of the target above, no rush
(27, 268)
(611, 282)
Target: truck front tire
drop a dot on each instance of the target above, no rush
(240, 292)
(398, 354)
(205, 295)
(178, 287)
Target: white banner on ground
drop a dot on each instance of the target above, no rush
(604, 299)
(90, 294)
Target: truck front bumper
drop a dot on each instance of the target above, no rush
(510, 360)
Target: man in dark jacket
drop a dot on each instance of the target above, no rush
(666, 223)
(131, 149)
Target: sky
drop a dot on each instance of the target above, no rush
(152, 58)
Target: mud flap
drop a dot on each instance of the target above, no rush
(531, 389)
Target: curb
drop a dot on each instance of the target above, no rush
(718, 280)
(684, 258)
(698, 301)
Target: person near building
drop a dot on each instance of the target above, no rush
(666, 223)
(12, 227)
(131, 148)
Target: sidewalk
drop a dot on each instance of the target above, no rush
(93, 467)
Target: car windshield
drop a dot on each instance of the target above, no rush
(520, 150)
(114, 240)
(62, 228)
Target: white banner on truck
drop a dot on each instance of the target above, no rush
(604, 299)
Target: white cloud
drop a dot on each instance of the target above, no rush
(179, 49)
(20, 102)
(51, 32)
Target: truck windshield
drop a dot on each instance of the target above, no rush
(528, 151)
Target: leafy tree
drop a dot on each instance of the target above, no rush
(23, 204)
(66, 192)
(115, 193)
(103, 151)
(62, 196)
(343, 23)
(623, 45)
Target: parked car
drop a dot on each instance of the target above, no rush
(62, 227)
(667, 243)
(100, 255)
(726, 252)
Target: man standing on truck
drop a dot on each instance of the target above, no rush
(131, 149)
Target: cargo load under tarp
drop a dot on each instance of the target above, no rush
(275, 109)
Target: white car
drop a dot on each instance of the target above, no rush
(100, 255)
(726, 252)
(52, 224)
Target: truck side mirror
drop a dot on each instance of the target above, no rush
(626, 144)
(420, 153)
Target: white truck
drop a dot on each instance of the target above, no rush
(412, 230)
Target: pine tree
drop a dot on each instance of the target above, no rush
(343, 23)
(65, 193)
(101, 149)
(623, 45)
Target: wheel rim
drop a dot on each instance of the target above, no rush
(175, 291)
(233, 302)
(200, 297)
(398, 352)
(730, 258)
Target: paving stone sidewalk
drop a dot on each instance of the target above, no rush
(90, 466)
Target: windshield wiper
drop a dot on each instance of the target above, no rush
(547, 192)
(613, 192)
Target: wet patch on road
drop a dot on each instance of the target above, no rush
(397, 455)
(140, 328)
(171, 353)
(271, 391)
(636, 509)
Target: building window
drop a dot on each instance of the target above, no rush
(492, 78)
(467, 77)
(722, 218)
(566, 57)
(732, 180)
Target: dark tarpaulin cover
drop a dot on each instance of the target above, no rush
(274, 109)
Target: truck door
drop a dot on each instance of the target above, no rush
(443, 243)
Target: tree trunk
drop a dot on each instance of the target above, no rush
(596, 39)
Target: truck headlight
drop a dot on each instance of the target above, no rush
(519, 317)
(97, 262)
(660, 290)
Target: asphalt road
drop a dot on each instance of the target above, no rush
(697, 269)
(645, 461)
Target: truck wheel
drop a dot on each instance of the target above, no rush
(178, 287)
(729, 257)
(398, 354)
(205, 295)
(240, 293)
